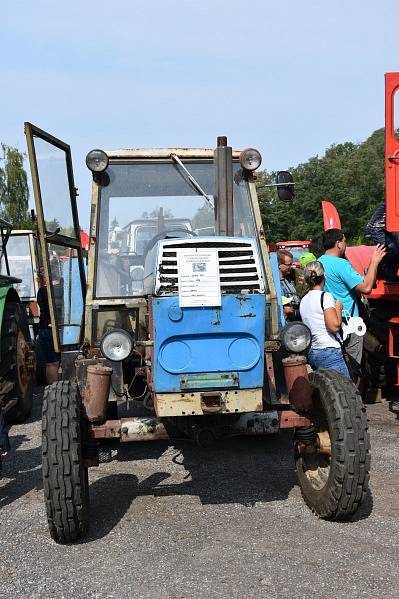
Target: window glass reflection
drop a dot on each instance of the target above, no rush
(20, 263)
(54, 188)
(67, 292)
(142, 203)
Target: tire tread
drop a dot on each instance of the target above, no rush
(350, 460)
(64, 474)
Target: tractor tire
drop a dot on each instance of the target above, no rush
(333, 486)
(65, 475)
(17, 362)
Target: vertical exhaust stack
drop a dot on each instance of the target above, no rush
(224, 188)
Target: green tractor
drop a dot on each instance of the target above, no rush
(17, 362)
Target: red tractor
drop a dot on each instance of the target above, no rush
(297, 248)
(381, 343)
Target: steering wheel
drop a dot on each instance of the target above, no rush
(167, 235)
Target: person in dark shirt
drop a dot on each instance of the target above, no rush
(377, 233)
(45, 335)
(287, 282)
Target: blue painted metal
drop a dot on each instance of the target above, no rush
(228, 339)
(276, 278)
(72, 304)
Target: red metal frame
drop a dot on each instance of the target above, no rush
(283, 244)
(290, 419)
(393, 324)
(391, 151)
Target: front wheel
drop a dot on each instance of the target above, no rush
(334, 481)
(65, 475)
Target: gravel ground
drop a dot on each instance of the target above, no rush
(180, 522)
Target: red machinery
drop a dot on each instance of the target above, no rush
(382, 340)
(297, 248)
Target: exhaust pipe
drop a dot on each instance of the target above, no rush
(222, 157)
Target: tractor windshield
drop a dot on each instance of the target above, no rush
(143, 202)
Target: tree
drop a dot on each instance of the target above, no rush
(204, 219)
(349, 175)
(14, 191)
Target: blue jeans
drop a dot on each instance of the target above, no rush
(328, 357)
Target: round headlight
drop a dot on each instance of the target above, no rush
(116, 345)
(250, 159)
(97, 161)
(295, 337)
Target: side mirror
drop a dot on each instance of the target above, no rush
(285, 186)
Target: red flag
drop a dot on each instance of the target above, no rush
(330, 216)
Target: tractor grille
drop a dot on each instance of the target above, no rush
(239, 267)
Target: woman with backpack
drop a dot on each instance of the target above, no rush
(323, 315)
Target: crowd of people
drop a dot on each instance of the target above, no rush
(324, 293)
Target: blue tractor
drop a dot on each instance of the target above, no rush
(181, 312)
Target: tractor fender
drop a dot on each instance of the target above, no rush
(359, 256)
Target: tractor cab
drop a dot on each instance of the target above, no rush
(180, 315)
(17, 362)
(23, 258)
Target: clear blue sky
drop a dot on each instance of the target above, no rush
(289, 78)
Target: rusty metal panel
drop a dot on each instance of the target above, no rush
(259, 423)
(131, 429)
(197, 403)
(153, 429)
(290, 419)
(116, 389)
(164, 153)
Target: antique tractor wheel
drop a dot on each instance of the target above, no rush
(65, 475)
(334, 479)
(17, 363)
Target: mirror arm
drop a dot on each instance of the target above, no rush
(53, 233)
(274, 185)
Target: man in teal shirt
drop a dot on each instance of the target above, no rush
(344, 283)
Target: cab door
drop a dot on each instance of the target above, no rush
(59, 235)
(392, 150)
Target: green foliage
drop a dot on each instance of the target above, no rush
(349, 175)
(14, 191)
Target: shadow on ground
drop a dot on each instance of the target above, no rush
(23, 468)
(240, 470)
